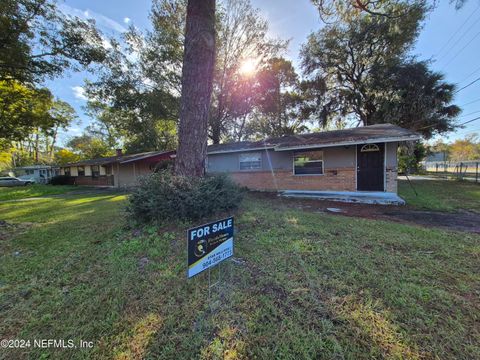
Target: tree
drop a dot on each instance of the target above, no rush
(141, 79)
(332, 10)
(62, 115)
(412, 96)
(88, 146)
(277, 107)
(197, 79)
(65, 156)
(241, 38)
(368, 78)
(465, 149)
(22, 110)
(343, 55)
(38, 41)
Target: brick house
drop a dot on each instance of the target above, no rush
(117, 171)
(358, 159)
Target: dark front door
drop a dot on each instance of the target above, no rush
(370, 167)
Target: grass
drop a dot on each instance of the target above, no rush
(35, 190)
(441, 195)
(302, 285)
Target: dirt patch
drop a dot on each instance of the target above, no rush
(8, 230)
(457, 221)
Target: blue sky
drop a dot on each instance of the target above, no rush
(450, 39)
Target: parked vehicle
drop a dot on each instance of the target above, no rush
(13, 181)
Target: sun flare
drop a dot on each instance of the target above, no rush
(248, 67)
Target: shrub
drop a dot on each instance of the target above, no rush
(61, 180)
(163, 196)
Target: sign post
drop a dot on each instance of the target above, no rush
(209, 245)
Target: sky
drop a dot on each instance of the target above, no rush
(450, 39)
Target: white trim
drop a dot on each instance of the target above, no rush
(322, 161)
(384, 167)
(347, 143)
(250, 170)
(356, 168)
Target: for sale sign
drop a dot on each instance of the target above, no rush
(209, 244)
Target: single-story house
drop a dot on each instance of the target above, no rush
(118, 171)
(350, 160)
(41, 174)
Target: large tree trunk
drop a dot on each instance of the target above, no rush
(197, 78)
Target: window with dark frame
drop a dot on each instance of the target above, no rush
(95, 171)
(66, 171)
(250, 161)
(308, 163)
(81, 170)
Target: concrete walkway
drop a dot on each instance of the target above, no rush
(364, 197)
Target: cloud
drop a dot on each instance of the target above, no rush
(79, 93)
(127, 20)
(101, 20)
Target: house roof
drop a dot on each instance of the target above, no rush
(359, 135)
(121, 159)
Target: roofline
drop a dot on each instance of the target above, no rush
(355, 142)
(238, 150)
(145, 157)
(82, 163)
(312, 146)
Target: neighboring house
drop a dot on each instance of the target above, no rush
(41, 174)
(119, 171)
(358, 159)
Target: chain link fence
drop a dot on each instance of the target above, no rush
(463, 170)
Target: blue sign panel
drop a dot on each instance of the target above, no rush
(209, 244)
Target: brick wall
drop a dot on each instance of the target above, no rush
(341, 179)
(391, 179)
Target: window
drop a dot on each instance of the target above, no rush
(66, 171)
(95, 171)
(108, 170)
(251, 161)
(369, 148)
(81, 170)
(308, 163)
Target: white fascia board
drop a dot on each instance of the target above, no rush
(348, 143)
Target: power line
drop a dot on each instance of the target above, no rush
(460, 51)
(469, 121)
(466, 86)
(456, 32)
(471, 102)
(475, 112)
(473, 72)
(464, 123)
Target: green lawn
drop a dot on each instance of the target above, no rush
(303, 285)
(441, 195)
(35, 190)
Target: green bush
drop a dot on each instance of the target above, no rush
(163, 196)
(61, 180)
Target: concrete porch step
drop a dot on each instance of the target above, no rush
(364, 197)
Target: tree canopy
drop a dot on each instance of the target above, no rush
(37, 41)
(364, 65)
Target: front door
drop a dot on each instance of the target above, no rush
(370, 167)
